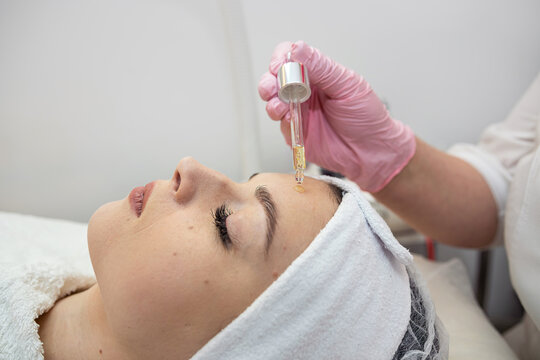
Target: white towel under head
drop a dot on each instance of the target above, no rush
(347, 296)
(41, 261)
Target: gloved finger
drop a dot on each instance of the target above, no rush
(267, 86)
(276, 108)
(279, 56)
(285, 127)
(334, 79)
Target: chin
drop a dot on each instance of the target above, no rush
(103, 225)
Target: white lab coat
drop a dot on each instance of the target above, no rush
(508, 156)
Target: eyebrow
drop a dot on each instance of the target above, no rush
(265, 198)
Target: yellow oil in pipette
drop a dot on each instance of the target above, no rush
(299, 162)
(297, 141)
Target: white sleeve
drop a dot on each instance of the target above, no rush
(502, 145)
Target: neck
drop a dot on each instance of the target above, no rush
(76, 328)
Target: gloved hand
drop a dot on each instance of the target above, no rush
(346, 127)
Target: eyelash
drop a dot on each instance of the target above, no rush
(220, 221)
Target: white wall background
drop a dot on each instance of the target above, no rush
(99, 97)
(446, 68)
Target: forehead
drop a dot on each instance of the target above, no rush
(281, 186)
(299, 214)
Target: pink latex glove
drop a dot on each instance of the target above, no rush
(346, 127)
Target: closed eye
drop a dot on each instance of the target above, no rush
(220, 215)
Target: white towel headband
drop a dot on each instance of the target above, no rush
(347, 296)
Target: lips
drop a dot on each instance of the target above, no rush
(138, 197)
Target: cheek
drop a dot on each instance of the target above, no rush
(170, 275)
(156, 288)
(162, 276)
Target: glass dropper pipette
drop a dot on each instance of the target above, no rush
(293, 84)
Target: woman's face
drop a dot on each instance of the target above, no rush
(202, 249)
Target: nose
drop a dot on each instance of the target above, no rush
(198, 181)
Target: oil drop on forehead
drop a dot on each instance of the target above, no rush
(293, 84)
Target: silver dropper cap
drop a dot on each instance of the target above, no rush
(293, 82)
